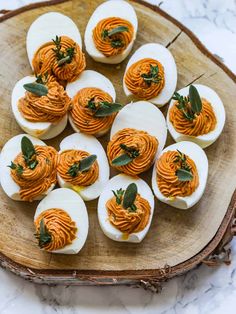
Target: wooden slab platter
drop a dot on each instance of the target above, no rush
(177, 240)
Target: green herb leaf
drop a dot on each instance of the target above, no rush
(84, 165)
(43, 236)
(106, 109)
(152, 76)
(114, 31)
(42, 79)
(183, 106)
(195, 99)
(130, 196)
(118, 195)
(184, 175)
(62, 57)
(19, 169)
(28, 152)
(121, 160)
(36, 89)
(117, 43)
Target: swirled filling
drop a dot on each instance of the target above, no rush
(49, 108)
(84, 107)
(54, 229)
(112, 35)
(128, 221)
(202, 123)
(132, 151)
(145, 78)
(67, 168)
(36, 179)
(61, 57)
(167, 174)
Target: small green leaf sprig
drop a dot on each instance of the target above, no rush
(184, 172)
(130, 153)
(62, 57)
(103, 108)
(127, 197)
(153, 75)
(43, 237)
(115, 42)
(83, 165)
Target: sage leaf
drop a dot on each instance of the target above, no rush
(184, 175)
(122, 160)
(107, 109)
(114, 31)
(27, 148)
(44, 236)
(195, 99)
(130, 196)
(86, 163)
(36, 89)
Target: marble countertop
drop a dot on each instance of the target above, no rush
(202, 291)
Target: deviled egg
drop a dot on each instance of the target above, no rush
(54, 46)
(196, 113)
(83, 165)
(125, 209)
(28, 168)
(151, 74)
(111, 31)
(61, 222)
(137, 137)
(180, 175)
(40, 106)
(93, 103)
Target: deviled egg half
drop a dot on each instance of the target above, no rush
(28, 168)
(111, 31)
(40, 106)
(54, 46)
(125, 209)
(137, 137)
(151, 74)
(180, 175)
(83, 165)
(93, 103)
(196, 113)
(61, 222)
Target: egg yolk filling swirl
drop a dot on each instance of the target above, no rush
(167, 179)
(35, 179)
(202, 123)
(84, 107)
(145, 78)
(68, 168)
(127, 220)
(112, 35)
(61, 57)
(132, 151)
(49, 108)
(54, 229)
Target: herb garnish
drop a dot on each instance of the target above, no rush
(43, 236)
(118, 195)
(81, 166)
(19, 168)
(103, 108)
(42, 79)
(153, 75)
(116, 42)
(189, 105)
(184, 173)
(128, 196)
(124, 159)
(37, 89)
(63, 57)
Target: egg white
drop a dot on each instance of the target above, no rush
(42, 130)
(218, 108)
(72, 203)
(143, 116)
(163, 55)
(91, 145)
(199, 157)
(90, 78)
(9, 151)
(46, 27)
(112, 8)
(115, 183)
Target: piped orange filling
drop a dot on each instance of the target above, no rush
(140, 81)
(70, 157)
(203, 123)
(128, 221)
(167, 179)
(59, 226)
(115, 44)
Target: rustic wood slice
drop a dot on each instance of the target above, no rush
(179, 239)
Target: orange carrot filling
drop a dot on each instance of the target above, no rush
(67, 160)
(112, 35)
(54, 229)
(167, 179)
(137, 147)
(145, 78)
(62, 58)
(203, 123)
(129, 221)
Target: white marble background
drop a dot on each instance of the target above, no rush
(202, 291)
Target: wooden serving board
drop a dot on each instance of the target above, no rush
(179, 239)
